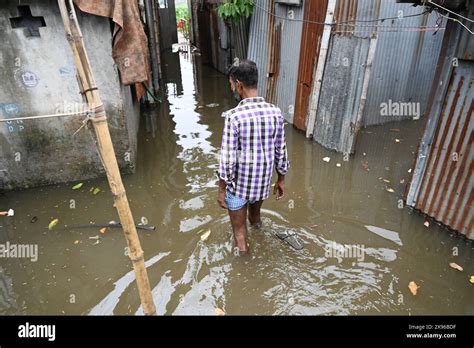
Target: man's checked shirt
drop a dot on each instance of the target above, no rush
(252, 144)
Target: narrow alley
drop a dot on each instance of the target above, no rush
(329, 202)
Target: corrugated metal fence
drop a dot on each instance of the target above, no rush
(274, 44)
(402, 70)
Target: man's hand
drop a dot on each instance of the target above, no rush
(279, 188)
(221, 194)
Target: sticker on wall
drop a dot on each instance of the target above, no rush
(27, 78)
(11, 109)
(66, 71)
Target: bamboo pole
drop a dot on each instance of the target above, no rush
(98, 120)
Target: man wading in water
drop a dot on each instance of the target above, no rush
(252, 144)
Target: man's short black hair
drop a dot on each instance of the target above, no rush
(246, 72)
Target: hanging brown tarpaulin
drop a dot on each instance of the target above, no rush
(130, 45)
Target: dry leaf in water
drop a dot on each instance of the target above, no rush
(76, 242)
(456, 266)
(219, 311)
(427, 224)
(390, 190)
(471, 279)
(103, 230)
(413, 287)
(52, 224)
(205, 235)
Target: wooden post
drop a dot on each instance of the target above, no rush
(106, 151)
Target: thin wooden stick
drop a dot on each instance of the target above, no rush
(107, 153)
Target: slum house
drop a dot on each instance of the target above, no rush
(219, 42)
(292, 47)
(337, 79)
(39, 78)
(442, 182)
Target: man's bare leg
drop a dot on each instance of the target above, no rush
(254, 214)
(239, 226)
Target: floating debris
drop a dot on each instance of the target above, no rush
(219, 311)
(327, 159)
(52, 224)
(413, 287)
(426, 223)
(456, 266)
(212, 105)
(77, 186)
(205, 235)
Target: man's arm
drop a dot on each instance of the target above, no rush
(282, 165)
(228, 159)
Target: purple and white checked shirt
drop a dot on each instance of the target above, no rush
(252, 143)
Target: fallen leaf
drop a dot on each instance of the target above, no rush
(397, 140)
(206, 235)
(413, 287)
(76, 242)
(338, 164)
(96, 242)
(95, 237)
(427, 224)
(96, 190)
(471, 279)
(390, 190)
(103, 230)
(456, 266)
(409, 170)
(219, 311)
(78, 186)
(92, 189)
(52, 224)
(402, 181)
(387, 181)
(326, 159)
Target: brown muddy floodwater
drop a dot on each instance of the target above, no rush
(175, 187)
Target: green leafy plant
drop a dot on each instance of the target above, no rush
(233, 10)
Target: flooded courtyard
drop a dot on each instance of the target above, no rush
(80, 270)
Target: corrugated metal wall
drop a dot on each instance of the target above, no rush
(404, 64)
(446, 191)
(275, 35)
(443, 180)
(341, 92)
(402, 71)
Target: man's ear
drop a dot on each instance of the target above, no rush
(238, 85)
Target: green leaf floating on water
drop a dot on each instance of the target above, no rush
(96, 190)
(78, 186)
(52, 224)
